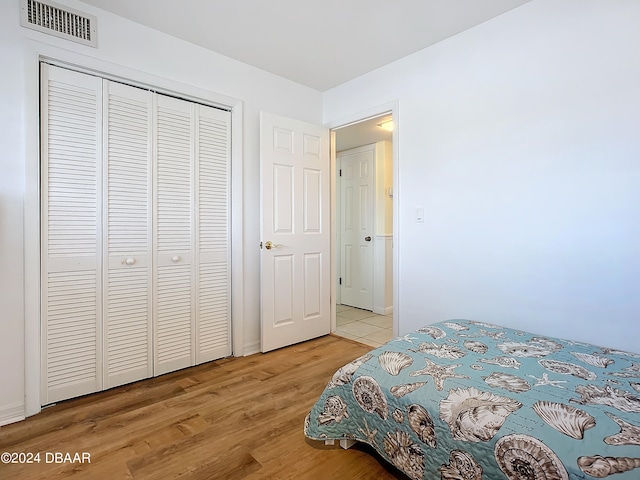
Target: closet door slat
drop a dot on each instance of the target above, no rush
(71, 116)
(174, 235)
(213, 300)
(127, 311)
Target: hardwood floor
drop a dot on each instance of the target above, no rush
(236, 418)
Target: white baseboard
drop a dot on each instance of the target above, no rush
(383, 311)
(251, 348)
(11, 413)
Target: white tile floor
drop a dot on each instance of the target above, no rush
(363, 326)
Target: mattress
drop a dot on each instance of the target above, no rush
(471, 400)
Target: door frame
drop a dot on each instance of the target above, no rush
(32, 215)
(357, 117)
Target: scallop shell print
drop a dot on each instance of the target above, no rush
(475, 416)
(369, 396)
(462, 466)
(335, 409)
(404, 454)
(477, 347)
(344, 374)
(600, 467)
(568, 420)
(400, 391)
(504, 362)
(594, 360)
(522, 457)
(607, 395)
(566, 368)
(421, 423)
(393, 362)
(629, 434)
(434, 332)
(507, 381)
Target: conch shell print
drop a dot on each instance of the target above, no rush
(612, 351)
(398, 415)
(522, 457)
(434, 332)
(344, 374)
(421, 423)
(369, 396)
(462, 466)
(475, 416)
(566, 368)
(335, 409)
(404, 454)
(393, 362)
(607, 395)
(535, 348)
(600, 467)
(504, 362)
(568, 420)
(441, 350)
(455, 326)
(400, 391)
(483, 324)
(594, 360)
(629, 434)
(477, 347)
(508, 382)
(632, 371)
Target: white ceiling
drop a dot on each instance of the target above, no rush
(318, 43)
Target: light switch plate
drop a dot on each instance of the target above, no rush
(419, 215)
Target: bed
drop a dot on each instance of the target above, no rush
(468, 400)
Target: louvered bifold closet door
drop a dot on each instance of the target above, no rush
(174, 236)
(71, 122)
(213, 253)
(127, 295)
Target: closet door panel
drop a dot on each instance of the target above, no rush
(213, 234)
(127, 223)
(71, 236)
(174, 235)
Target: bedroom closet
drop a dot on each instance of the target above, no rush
(135, 222)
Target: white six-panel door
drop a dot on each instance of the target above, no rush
(357, 189)
(295, 231)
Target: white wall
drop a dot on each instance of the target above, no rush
(521, 140)
(129, 50)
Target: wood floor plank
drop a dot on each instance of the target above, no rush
(232, 419)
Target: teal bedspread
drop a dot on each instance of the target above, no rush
(468, 400)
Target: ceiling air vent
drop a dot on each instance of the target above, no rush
(60, 21)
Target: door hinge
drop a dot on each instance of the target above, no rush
(340, 282)
(340, 172)
(260, 245)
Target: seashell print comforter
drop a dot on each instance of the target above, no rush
(466, 400)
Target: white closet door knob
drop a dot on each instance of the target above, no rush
(175, 258)
(130, 261)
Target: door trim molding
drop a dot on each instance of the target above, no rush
(39, 52)
(356, 117)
